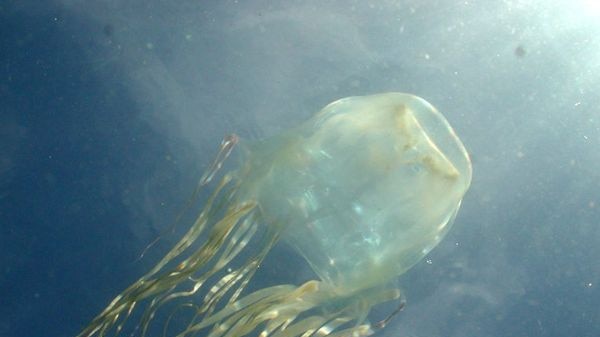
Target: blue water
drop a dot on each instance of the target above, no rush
(109, 112)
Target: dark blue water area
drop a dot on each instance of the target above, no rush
(74, 144)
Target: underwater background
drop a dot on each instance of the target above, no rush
(111, 110)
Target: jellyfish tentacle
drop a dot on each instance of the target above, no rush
(227, 145)
(119, 310)
(382, 324)
(204, 256)
(306, 327)
(218, 255)
(239, 306)
(174, 311)
(234, 283)
(313, 309)
(225, 149)
(194, 232)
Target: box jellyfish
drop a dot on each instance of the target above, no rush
(362, 191)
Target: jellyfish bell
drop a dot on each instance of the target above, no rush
(363, 190)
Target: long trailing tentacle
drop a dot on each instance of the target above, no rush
(313, 309)
(237, 226)
(227, 145)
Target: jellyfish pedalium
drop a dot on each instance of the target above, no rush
(362, 191)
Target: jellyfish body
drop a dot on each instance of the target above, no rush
(363, 191)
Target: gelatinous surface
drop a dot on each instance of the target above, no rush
(363, 190)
